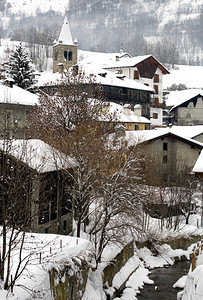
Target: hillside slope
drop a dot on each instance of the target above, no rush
(113, 24)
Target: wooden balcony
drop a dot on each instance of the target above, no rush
(157, 105)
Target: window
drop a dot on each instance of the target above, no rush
(70, 55)
(136, 74)
(156, 89)
(156, 77)
(165, 146)
(65, 55)
(165, 159)
(155, 116)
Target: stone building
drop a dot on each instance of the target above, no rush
(64, 50)
(169, 155)
(188, 108)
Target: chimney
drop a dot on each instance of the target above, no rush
(127, 109)
(138, 110)
(9, 82)
(117, 58)
(106, 107)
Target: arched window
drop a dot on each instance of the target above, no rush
(65, 55)
(70, 55)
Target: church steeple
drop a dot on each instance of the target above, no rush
(64, 50)
(65, 36)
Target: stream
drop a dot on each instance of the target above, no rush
(164, 278)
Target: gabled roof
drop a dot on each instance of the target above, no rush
(37, 155)
(65, 36)
(134, 61)
(177, 98)
(178, 137)
(142, 136)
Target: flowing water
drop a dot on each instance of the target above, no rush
(164, 278)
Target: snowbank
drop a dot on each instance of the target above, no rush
(44, 252)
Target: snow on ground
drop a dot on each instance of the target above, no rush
(56, 250)
(29, 7)
(45, 251)
(124, 272)
(148, 261)
(191, 76)
(193, 289)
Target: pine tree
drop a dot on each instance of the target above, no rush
(20, 68)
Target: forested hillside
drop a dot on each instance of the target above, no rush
(134, 25)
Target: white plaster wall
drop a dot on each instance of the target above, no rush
(159, 121)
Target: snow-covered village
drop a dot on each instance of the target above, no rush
(101, 150)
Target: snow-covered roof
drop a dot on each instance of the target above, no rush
(17, 95)
(111, 79)
(128, 62)
(198, 167)
(188, 131)
(133, 61)
(122, 117)
(181, 133)
(65, 36)
(94, 69)
(176, 98)
(37, 155)
(102, 59)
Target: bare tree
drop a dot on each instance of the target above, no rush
(164, 50)
(69, 121)
(15, 212)
(104, 191)
(118, 205)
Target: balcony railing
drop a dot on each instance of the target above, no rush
(157, 105)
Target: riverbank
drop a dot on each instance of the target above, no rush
(164, 279)
(157, 254)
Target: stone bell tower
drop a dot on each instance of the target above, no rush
(64, 50)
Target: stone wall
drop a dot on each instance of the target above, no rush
(118, 262)
(68, 285)
(184, 243)
(178, 243)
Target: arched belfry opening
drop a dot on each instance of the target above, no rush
(70, 55)
(65, 55)
(64, 50)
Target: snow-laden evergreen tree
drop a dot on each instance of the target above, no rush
(20, 68)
